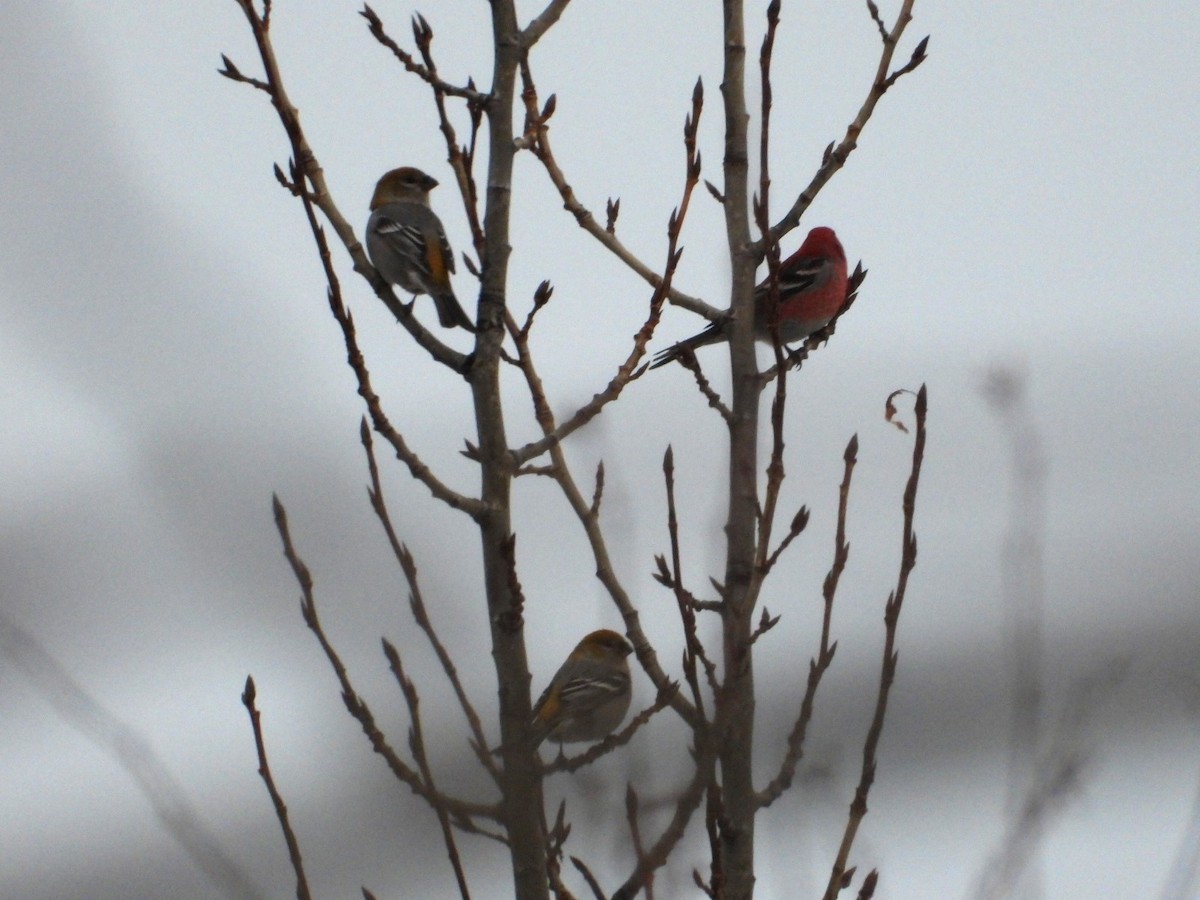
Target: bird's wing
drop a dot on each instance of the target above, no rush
(404, 239)
(799, 276)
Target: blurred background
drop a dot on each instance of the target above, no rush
(1026, 204)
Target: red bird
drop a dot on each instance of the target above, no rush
(812, 290)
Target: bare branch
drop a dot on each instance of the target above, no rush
(835, 159)
(657, 855)
(799, 523)
(693, 648)
(428, 74)
(354, 703)
(887, 673)
(588, 514)
(542, 150)
(629, 370)
(635, 836)
(382, 424)
(714, 887)
(233, 73)
(416, 743)
(281, 813)
(543, 22)
(687, 359)
(417, 603)
(459, 157)
(820, 665)
(592, 883)
(589, 517)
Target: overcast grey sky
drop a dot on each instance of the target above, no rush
(1027, 198)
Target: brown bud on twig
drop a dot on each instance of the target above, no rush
(614, 209)
(867, 891)
(663, 575)
(877, 19)
(543, 293)
(765, 624)
(230, 70)
(598, 493)
(422, 33)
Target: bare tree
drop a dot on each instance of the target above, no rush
(714, 694)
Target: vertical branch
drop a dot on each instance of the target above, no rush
(693, 650)
(521, 783)
(887, 674)
(735, 703)
(248, 700)
(762, 206)
(416, 742)
(836, 156)
(824, 658)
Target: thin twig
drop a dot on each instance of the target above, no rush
(583, 216)
(817, 667)
(460, 158)
(417, 603)
(416, 743)
(354, 703)
(541, 23)
(837, 155)
(630, 368)
(687, 359)
(592, 883)
(656, 856)
(714, 814)
(887, 673)
(635, 837)
(693, 648)
(799, 523)
(264, 770)
(775, 467)
(383, 425)
(428, 74)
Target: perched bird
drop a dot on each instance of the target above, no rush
(589, 695)
(812, 289)
(407, 244)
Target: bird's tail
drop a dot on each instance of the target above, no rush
(451, 313)
(713, 334)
